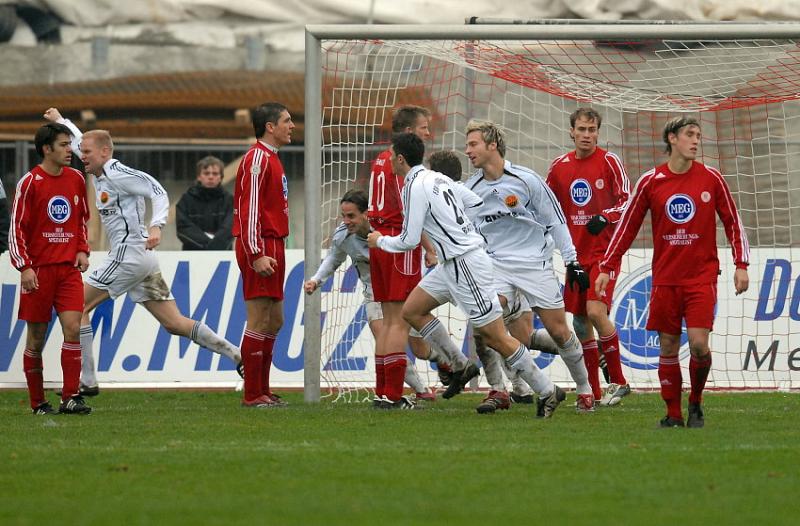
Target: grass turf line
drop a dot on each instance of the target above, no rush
(198, 458)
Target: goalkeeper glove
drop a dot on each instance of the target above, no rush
(596, 224)
(576, 275)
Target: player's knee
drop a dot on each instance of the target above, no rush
(173, 327)
(699, 348)
(581, 328)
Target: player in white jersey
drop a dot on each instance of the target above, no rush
(131, 265)
(434, 204)
(350, 239)
(522, 224)
(447, 162)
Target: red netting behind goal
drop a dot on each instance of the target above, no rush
(744, 93)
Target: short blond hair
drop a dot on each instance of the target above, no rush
(490, 133)
(100, 137)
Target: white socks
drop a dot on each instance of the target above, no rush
(439, 339)
(492, 367)
(412, 378)
(522, 362)
(543, 342)
(203, 336)
(572, 354)
(88, 374)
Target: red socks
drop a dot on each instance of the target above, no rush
(591, 357)
(698, 374)
(669, 373)
(70, 368)
(380, 376)
(252, 358)
(266, 364)
(394, 367)
(32, 365)
(611, 351)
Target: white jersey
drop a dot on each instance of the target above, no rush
(345, 244)
(121, 191)
(434, 203)
(520, 219)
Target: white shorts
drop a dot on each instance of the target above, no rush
(537, 282)
(131, 269)
(374, 311)
(515, 307)
(466, 281)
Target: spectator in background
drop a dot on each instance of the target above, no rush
(205, 211)
(5, 220)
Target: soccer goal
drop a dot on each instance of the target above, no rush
(741, 80)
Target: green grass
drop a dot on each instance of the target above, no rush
(198, 458)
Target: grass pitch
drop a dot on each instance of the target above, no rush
(198, 458)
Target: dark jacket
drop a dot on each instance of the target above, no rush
(202, 210)
(5, 219)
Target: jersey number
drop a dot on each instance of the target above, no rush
(377, 191)
(450, 199)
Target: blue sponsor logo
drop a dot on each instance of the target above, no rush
(285, 183)
(581, 192)
(680, 208)
(639, 348)
(59, 209)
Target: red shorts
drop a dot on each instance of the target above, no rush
(254, 285)
(670, 304)
(394, 276)
(575, 301)
(60, 286)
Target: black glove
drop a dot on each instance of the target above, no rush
(576, 274)
(596, 224)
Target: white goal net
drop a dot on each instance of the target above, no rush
(744, 90)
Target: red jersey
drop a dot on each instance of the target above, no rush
(587, 187)
(260, 198)
(385, 188)
(682, 208)
(49, 219)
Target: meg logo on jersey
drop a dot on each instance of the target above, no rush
(59, 209)
(680, 208)
(580, 191)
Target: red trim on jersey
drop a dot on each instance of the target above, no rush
(261, 203)
(684, 250)
(39, 238)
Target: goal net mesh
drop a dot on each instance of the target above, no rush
(744, 93)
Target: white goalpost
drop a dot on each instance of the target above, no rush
(741, 80)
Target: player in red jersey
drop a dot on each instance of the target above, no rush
(394, 276)
(593, 189)
(683, 196)
(260, 226)
(48, 245)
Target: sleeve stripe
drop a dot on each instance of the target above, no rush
(624, 222)
(621, 178)
(17, 253)
(253, 219)
(742, 252)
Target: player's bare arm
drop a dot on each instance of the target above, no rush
(82, 261)
(372, 239)
(153, 237)
(310, 286)
(52, 115)
(601, 283)
(741, 281)
(265, 265)
(29, 280)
